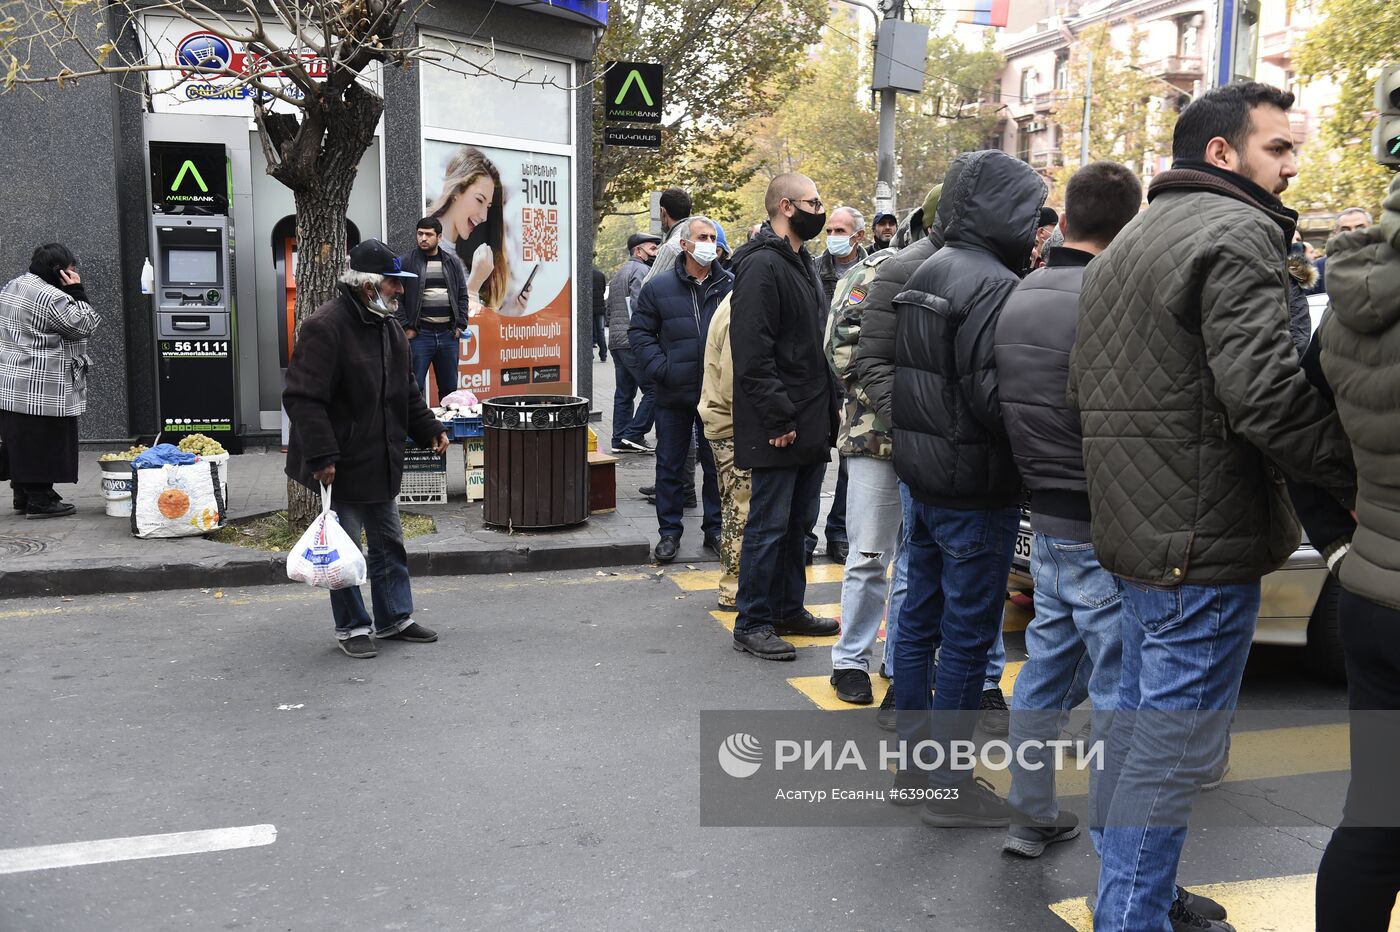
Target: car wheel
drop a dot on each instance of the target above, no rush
(1325, 656)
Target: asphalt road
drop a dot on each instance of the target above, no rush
(536, 768)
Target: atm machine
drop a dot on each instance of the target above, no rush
(195, 332)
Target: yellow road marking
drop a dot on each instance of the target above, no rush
(698, 580)
(832, 610)
(823, 695)
(1266, 754)
(1270, 904)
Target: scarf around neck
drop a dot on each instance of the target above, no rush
(1198, 175)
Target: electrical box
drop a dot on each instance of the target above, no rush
(900, 52)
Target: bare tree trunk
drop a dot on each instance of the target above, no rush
(321, 250)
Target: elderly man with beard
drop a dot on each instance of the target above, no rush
(352, 400)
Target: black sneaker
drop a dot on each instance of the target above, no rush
(808, 625)
(1031, 840)
(711, 543)
(647, 491)
(57, 509)
(727, 607)
(883, 674)
(996, 717)
(633, 446)
(764, 644)
(360, 647)
(1186, 920)
(412, 631)
(666, 549)
(1202, 906)
(910, 787)
(852, 686)
(885, 718)
(21, 501)
(973, 804)
(837, 551)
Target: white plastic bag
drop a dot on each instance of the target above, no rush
(326, 557)
(176, 501)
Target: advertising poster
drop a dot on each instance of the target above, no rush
(506, 214)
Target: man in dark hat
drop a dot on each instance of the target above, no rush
(352, 400)
(885, 224)
(1049, 222)
(630, 426)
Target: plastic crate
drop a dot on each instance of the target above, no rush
(422, 459)
(464, 427)
(423, 488)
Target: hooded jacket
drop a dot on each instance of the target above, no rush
(781, 380)
(351, 400)
(1360, 338)
(950, 447)
(670, 320)
(1033, 338)
(1189, 390)
(626, 284)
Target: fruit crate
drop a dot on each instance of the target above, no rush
(424, 477)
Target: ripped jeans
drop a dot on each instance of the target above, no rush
(874, 515)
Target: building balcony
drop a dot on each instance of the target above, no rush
(1176, 68)
(1045, 161)
(1276, 47)
(1046, 101)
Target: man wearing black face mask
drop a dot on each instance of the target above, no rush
(784, 415)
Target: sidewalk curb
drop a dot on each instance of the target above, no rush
(270, 569)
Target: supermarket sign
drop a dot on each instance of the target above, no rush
(168, 40)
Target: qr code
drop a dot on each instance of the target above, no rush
(540, 237)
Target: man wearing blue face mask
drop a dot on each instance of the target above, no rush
(669, 324)
(845, 249)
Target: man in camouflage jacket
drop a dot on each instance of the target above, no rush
(874, 512)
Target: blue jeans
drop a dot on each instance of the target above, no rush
(958, 563)
(436, 349)
(772, 565)
(875, 533)
(1075, 650)
(1184, 651)
(625, 423)
(836, 516)
(675, 428)
(899, 585)
(600, 337)
(389, 588)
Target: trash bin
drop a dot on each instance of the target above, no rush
(536, 460)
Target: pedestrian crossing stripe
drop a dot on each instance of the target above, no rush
(700, 580)
(1269, 904)
(823, 695)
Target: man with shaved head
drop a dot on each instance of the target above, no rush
(784, 415)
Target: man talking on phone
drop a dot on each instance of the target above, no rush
(352, 399)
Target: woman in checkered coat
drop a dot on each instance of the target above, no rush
(45, 322)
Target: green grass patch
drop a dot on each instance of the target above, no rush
(272, 533)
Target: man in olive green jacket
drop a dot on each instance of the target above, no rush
(1360, 873)
(1193, 409)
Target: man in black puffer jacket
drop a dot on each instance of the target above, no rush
(784, 415)
(667, 337)
(951, 450)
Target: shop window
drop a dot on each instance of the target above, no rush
(490, 102)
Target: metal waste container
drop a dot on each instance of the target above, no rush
(536, 460)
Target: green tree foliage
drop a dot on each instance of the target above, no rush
(725, 63)
(829, 128)
(1338, 170)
